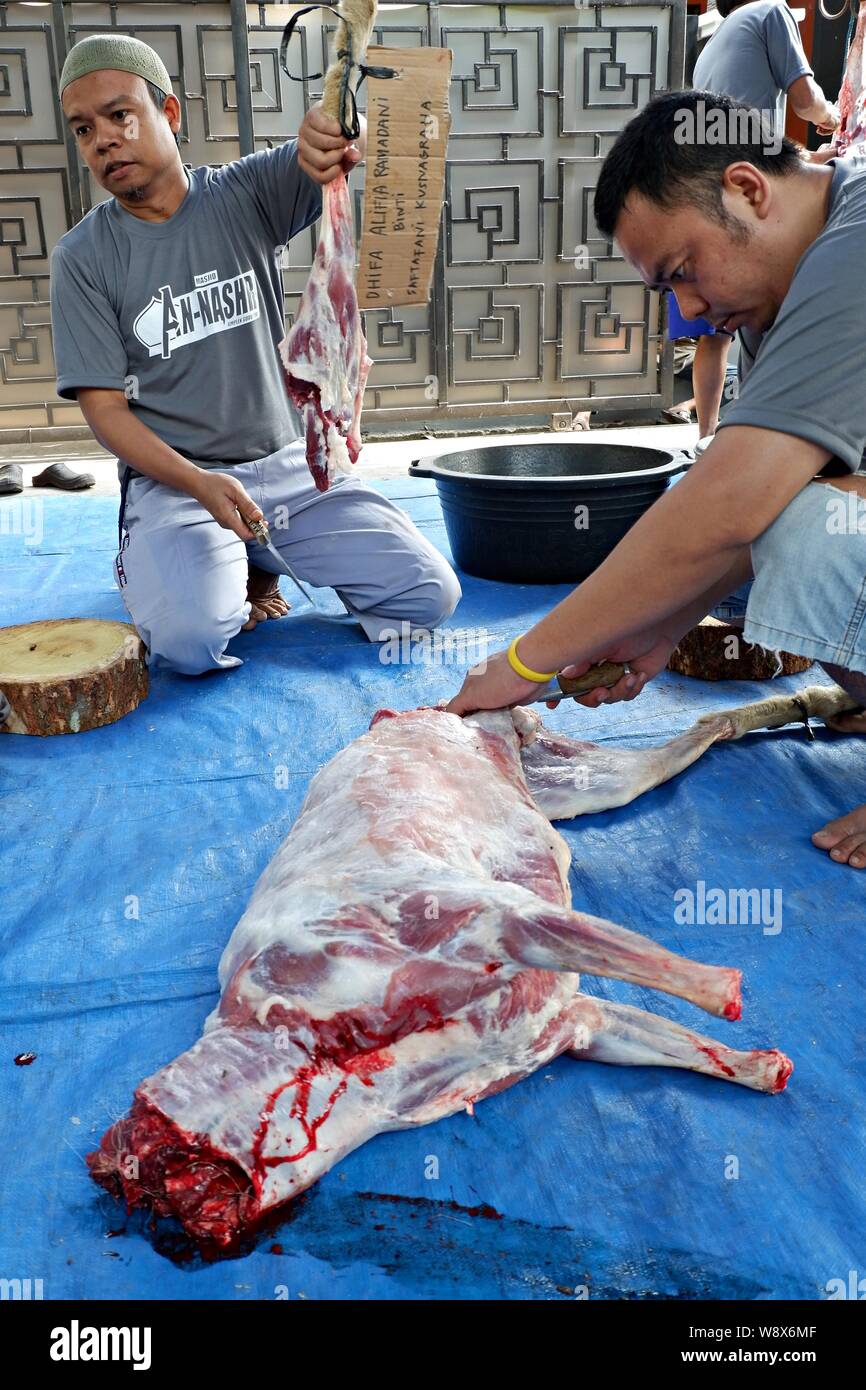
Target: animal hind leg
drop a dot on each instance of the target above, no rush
(551, 938)
(625, 1036)
(568, 778)
(816, 701)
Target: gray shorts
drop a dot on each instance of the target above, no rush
(809, 594)
(183, 577)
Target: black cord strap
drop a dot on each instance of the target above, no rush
(795, 700)
(349, 122)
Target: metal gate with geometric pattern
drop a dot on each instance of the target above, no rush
(531, 311)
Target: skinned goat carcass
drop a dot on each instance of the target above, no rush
(325, 353)
(410, 950)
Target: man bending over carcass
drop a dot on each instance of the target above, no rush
(760, 242)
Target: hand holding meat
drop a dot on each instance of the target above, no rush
(492, 684)
(323, 150)
(822, 154)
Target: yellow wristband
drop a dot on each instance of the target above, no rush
(528, 675)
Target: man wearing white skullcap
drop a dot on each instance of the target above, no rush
(167, 307)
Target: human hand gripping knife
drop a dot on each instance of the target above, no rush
(558, 687)
(561, 687)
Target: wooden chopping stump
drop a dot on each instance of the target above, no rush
(717, 651)
(65, 676)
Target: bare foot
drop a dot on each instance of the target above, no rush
(263, 592)
(851, 722)
(845, 838)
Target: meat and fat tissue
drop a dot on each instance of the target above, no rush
(410, 950)
(324, 355)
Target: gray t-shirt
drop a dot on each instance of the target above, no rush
(753, 57)
(185, 315)
(806, 375)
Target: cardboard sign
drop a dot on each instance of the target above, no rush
(407, 135)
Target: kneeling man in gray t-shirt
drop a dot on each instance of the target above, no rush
(167, 308)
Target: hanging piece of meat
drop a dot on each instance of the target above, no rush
(852, 97)
(410, 950)
(324, 355)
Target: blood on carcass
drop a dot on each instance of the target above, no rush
(357, 989)
(325, 353)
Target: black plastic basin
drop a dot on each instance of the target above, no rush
(544, 513)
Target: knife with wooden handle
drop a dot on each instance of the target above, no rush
(565, 687)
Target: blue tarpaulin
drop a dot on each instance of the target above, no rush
(130, 852)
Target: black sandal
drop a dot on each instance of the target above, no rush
(60, 475)
(11, 479)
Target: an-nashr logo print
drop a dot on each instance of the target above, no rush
(171, 321)
(77, 1343)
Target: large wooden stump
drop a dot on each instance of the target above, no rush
(717, 651)
(66, 676)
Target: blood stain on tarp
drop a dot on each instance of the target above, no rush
(484, 1209)
(170, 1240)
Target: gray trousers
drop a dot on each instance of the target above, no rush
(183, 577)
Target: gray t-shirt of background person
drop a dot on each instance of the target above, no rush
(184, 316)
(753, 57)
(806, 375)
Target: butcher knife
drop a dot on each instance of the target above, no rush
(566, 687)
(263, 536)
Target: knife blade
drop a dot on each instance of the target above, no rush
(263, 536)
